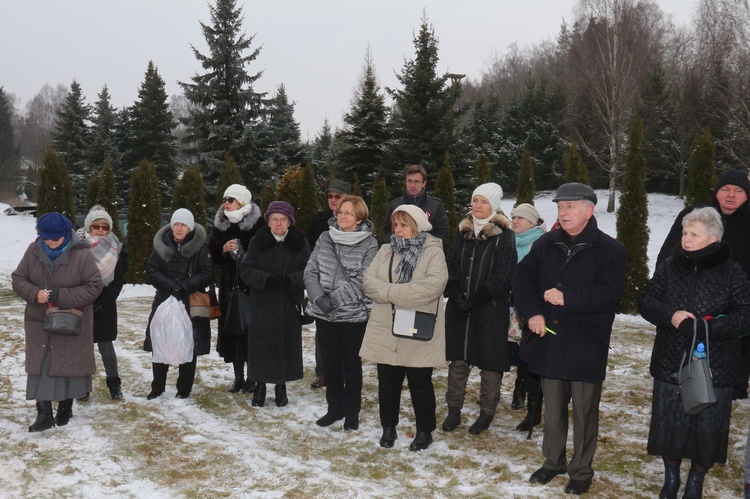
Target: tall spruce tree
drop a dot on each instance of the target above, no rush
(144, 220)
(55, 191)
(188, 193)
(323, 154)
(424, 118)
(8, 151)
(379, 207)
(70, 139)
(108, 195)
(283, 145)
(526, 188)
(102, 140)
(228, 175)
(267, 195)
(356, 186)
(575, 168)
(483, 169)
(92, 191)
(632, 219)
(701, 170)
(150, 131)
(308, 200)
(225, 116)
(364, 137)
(445, 190)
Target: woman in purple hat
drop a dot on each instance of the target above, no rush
(273, 272)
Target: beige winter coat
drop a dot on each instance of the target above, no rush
(424, 293)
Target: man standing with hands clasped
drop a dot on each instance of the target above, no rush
(566, 291)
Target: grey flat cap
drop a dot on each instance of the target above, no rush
(574, 191)
(339, 187)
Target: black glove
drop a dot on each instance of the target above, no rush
(703, 328)
(463, 306)
(178, 291)
(274, 283)
(324, 303)
(481, 296)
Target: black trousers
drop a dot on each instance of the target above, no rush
(184, 379)
(390, 381)
(340, 343)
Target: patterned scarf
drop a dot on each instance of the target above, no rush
(106, 250)
(410, 249)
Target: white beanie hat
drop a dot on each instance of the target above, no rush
(97, 212)
(526, 211)
(419, 216)
(493, 193)
(240, 193)
(184, 216)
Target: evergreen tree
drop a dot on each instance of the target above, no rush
(445, 190)
(308, 198)
(483, 169)
(323, 154)
(632, 219)
(701, 170)
(289, 188)
(356, 189)
(188, 193)
(144, 220)
(379, 207)
(225, 116)
(575, 168)
(365, 134)
(424, 119)
(228, 175)
(108, 195)
(55, 191)
(267, 195)
(282, 136)
(71, 138)
(102, 139)
(526, 188)
(92, 191)
(150, 131)
(8, 151)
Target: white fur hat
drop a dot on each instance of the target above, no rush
(97, 212)
(493, 193)
(240, 193)
(184, 216)
(419, 216)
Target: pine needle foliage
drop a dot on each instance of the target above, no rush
(144, 220)
(632, 219)
(356, 187)
(92, 191)
(575, 168)
(526, 188)
(483, 169)
(445, 190)
(55, 191)
(308, 202)
(108, 195)
(267, 194)
(189, 193)
(701, 170)
(228, 175)
(379, 207)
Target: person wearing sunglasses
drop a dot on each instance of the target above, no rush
(319, 224)
(235, 223)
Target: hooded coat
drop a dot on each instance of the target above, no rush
(232, 347)
(188, 263)
(275, 335)
(77, 279)
(480, 268)
(423, 293)
(713, 285)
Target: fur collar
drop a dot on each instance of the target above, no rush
(497, 224)
(165, 247)
(294, 240)
(247, 223)
(713, 259)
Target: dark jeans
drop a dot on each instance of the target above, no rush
(340, 343)
(390, 381)
(184, 379)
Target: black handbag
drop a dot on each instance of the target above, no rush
(63, 321)
(696, 385)
(409, 323)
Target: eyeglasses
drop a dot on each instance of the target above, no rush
(278, 220)
(228, 200)
(100, 227)
(334, 196)
(414, 182)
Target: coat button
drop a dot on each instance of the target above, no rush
(555, 321)
(558, 285)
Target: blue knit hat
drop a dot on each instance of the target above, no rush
(53, 225)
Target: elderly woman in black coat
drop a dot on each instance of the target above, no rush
(480, 268)
(179, 265)
(236, 222)
(273, 271)
(700, 281)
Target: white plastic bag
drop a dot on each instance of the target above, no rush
(172, 333)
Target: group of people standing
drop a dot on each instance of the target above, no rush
(560, 288)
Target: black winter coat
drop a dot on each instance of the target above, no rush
(590, 272)
(105, 307)
(433, 208)
(480, 268)
(232, 347)
(170, 263)
(318, 225)
(713, 285)
(275, 335)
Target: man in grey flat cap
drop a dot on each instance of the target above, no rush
(566, 291)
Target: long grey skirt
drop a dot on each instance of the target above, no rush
(702, 437)
(45, 387)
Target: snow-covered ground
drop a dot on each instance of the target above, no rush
(214, 444)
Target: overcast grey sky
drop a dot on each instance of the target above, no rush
(315, 47)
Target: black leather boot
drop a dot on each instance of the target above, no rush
(64, 412)
(389, 437)
(249, 386)
(421, 441)
(533, 414)
(115, 390)
(671, 483)
(44, 419)
(453, 419)
(519, 394)
(482, 423)
(280, 394)
(694, 485)
(237, 386)
(259, 395)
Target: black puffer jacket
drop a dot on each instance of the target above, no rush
(712, 286)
